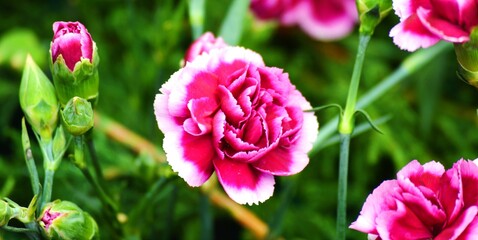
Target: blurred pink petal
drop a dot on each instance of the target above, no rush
(320, 19)
(424, 22)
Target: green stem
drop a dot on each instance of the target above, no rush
(30, 161)
(110, 207)
(409, 66)
(346, 124)
(47, 187)
(342, 187)
(345, 128)
(50, 167)
(95, 160)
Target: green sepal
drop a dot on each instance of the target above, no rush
(332, 105)
(371, 13)
(467, 56)
(83, 81)
(10, 209)
(369, 120)
(38, 100)
(71, 222)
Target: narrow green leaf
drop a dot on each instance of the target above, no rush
(231, 28)
(196, 16)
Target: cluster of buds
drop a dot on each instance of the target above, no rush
(74, 66)
(70, 98)
(65, 220)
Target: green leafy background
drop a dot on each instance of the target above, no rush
(141, 43)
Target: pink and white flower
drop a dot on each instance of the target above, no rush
(320, 19)
(425, 22)
(424, 202)
(226, 112)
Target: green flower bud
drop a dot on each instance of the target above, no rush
(38, 100)
(77, 116)
(371, 12)
(64, 220)
(74, 62)
(9, 210)
(467, 56)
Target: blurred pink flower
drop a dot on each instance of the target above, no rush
(320, 19)
(425, 22)
(203, 44)
(72, 41)
(424, 202)
(226, 112)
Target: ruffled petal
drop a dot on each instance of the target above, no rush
(186, 84)
(446, 30)
(282, 162)
(411, 34)
(190, 156)
(401, 223)
(380, 200)
(243, 183)
(456, 228)
(471, 232)
(407, 8)
(469, 181)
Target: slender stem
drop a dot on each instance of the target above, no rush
(50, 167)
(346, 124)
(111, 208)
(207, 225)
(30, 161)
(345, 128)
(47, 187)
(342, 187)
(409, 66)
(94, 159)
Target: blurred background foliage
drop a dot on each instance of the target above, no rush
(141, 43)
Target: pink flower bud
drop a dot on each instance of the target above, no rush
(72, 41)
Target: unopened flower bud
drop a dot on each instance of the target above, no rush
(9, 210)
(74, 62)
(467, 56)
(66, 221)
(371, 12)
(38, 100)
(77, 116)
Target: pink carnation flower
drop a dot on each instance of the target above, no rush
(226, 112)
(320, 19)
(203, 44)
(425, 22)
(424, 202)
